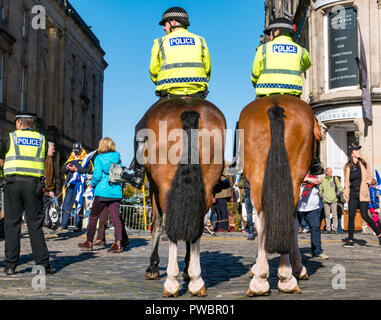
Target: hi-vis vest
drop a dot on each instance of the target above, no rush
(278, 67)
(180, 63)
(26, 154)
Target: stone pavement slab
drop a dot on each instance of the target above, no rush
(226, 259)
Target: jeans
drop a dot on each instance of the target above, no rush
(353, 204)
(249, 210)
(67, 208)
(313, 220)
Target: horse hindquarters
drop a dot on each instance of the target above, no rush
(277, 191)
(186, 197)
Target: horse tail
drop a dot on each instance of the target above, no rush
(277, 192)
(186, 198)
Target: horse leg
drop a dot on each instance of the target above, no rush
(187, 259)
(257, 224)
(298, 270)
(153, 272)
(259, 285)
(171, 285)
(196, 285)
(287, 282)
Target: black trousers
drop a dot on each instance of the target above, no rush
(354, 203)
(20, 196)
(220, 206)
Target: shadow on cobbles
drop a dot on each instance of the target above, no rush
(60, 262)
(217, 267)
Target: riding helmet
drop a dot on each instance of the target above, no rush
(175, 13)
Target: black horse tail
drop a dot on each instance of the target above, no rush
(277, 191)
(186, 198)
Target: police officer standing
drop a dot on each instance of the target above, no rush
(22, 155)
(279, 63)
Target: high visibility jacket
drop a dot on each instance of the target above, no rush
(26, 154)
(180, 63)
(278, 66)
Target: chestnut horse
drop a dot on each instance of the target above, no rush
(182, 170)
(279, 143)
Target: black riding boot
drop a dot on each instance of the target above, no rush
(136, 179)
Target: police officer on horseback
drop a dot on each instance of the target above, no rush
(180, 67)
(279, 63)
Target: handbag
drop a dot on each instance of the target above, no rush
(339, 194)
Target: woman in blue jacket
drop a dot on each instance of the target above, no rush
(106, 194)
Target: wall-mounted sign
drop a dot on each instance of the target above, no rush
(322, 3)
(343, 48)
(340, 114)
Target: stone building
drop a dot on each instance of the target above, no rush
(337, 33)
(51, 63)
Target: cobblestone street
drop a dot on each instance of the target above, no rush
(225, 259)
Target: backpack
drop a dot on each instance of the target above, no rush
(115, 173)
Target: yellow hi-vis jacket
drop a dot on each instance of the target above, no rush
(180, 63)
(26, 154)
(278, 66)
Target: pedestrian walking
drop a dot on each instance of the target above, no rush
(374, 203)
(249, 207)
(357, 176)
(50, 183)
(327, 191)
(106, 194)
(22, 156)
(309, 207)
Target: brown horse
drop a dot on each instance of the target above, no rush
(279, 142)
(182, 168)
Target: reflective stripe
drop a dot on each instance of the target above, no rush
(279, 86)
(202, 49)
(38, 155)
(186, 79)
(182, 65)
(264, 56)
(35, 159)
(281, 71)
(254, 76)
(161, 47)
(301, 59)
(18, 169)
(14, 137)
(154, 75)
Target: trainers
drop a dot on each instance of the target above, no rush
(59, 229)
(321, 256)
(251, 236)
(348, 244)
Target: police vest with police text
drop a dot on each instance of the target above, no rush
(180, 63)
(26, 154)
(278, 67)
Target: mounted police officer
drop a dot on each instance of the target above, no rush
(180, 67)
(23, 154)
(279, 63)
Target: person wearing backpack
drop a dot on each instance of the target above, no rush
(106, 194)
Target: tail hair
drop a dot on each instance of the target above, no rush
(277, 191)
(186, 197)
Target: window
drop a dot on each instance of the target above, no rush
(73, 66)
(84, 84)
(24, 25)
(22, 88)
(72, 120)
(1, 76)
(3, 9)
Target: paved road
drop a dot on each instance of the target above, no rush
(225, 259)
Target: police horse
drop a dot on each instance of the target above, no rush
(182, 170)
(279, 140)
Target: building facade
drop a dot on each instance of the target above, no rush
(52, 64)
(340, 36)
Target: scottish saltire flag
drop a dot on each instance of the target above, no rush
(378, 180)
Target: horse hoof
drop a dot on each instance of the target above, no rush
(293, 290)
(251, 274)
(302, 275)
(167, 294)
(152, 276)
(251, 293)
(199, 293)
